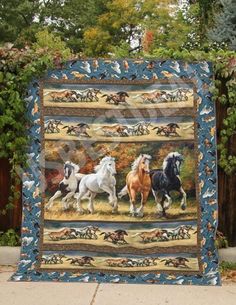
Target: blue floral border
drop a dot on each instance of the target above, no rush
(201, 74)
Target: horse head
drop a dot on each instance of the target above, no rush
(122, 94)
(70, 167)
(58, 122)
(144, 163)
(107, 163)
(173, 161)
(178, 159)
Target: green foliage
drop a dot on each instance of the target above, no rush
(17, 69)
(223, 90)
(122, 22)
(227, 266)
(17, 18)
(21, 20)
(9, 238)
(221, 241)
(122, 51)
(70, 19)
(224, 29)
(51, 43)
(97, 42)
(104, 28)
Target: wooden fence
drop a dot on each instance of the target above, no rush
(226, 187)
(13, 217)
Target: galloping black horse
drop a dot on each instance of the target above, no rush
(166, 180)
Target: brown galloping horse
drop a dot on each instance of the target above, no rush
(60, 95)
(62, 234)
(149, 236)
(138, 181)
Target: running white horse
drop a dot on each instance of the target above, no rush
(67, 186)
(102, 181)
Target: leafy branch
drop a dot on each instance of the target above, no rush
(18, 67)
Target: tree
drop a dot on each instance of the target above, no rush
(51, 43)
(97, 41)
(70, 19)
(124, 23)
(19, 22)
(18, 18)
(166, 28)
(224, 29)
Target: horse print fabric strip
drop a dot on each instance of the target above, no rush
(122, 174)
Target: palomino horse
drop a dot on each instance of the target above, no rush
(138, 181)
(60, 95)
(62, 234)
(114, 130)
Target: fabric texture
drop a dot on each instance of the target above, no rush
(121, 185)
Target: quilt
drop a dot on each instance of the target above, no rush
(121, 183)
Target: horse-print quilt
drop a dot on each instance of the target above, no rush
(121, 182)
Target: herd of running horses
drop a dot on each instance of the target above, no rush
(115, 130)
(88, 261)
(117, 237)
(117, 98)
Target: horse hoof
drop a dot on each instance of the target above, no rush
(161, 214)
(80, 211)
(183, 207)
(140, 215)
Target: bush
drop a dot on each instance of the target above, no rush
(9, 238)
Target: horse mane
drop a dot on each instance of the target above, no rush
(136, 162)
(102, 162)
(171, 155)
(76, 167)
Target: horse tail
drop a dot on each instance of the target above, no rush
(98, 128)
(123, 192)
(65, 127)
(102, 233)
(104, 95)
(155, 127)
